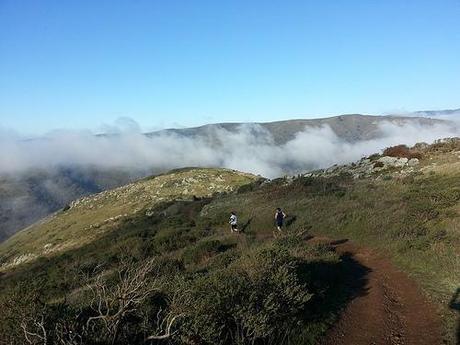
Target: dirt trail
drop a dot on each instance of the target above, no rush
(390, 310)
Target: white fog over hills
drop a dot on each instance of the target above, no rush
(40, 176)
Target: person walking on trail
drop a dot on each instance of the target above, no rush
(279, 218)
(233, 222)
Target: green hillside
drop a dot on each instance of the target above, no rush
(87, 219)
(149, 262)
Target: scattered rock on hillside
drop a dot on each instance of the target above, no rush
(392, 161)
(367, 167)
(413, 162)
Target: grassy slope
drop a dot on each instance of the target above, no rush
(89, 218)
(415, 218)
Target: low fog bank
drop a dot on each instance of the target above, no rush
(250, 148)
(452, 115)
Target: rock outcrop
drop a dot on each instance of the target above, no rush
(370, 166)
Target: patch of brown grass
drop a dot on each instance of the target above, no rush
(402, 151)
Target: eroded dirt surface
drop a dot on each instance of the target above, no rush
(391, 309)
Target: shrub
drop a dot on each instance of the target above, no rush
(445, 145)
(223, 260)
(378, 164)
(202, 251)
(258, 298)
(333, 185)
(171, 239)
(250, 186)
(402, 151)
(167, 266)
(373, 157)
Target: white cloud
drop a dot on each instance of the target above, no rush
(249, 148)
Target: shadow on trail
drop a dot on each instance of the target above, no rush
(290, 220)
(454, 304)
(337, 285)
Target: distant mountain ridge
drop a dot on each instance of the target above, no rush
(350, 127)
(436, 113)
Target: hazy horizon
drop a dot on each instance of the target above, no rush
(129, 123)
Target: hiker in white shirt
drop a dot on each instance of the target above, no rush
(233, 222)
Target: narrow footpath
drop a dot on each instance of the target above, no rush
(391, 310)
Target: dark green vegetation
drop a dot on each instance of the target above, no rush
(182, 276)
(175, 274)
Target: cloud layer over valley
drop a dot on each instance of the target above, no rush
(249, 148)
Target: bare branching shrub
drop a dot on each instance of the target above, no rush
(165, 320)
(113, 303)
(34, 330)
(66, 334)
(115, 307)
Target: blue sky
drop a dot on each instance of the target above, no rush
(81, 64)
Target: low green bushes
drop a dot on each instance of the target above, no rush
(265, 294)
(258, 298)
(202, 251)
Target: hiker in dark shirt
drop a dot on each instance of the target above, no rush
(279, 218)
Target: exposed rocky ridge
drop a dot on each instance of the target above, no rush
(381, 166)
(175, 185)
(367, 167)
